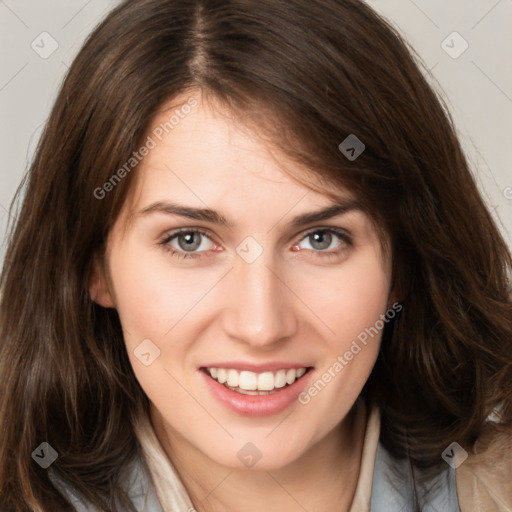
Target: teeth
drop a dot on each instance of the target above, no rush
(244, 392)
(221, 375)
(233, 378)
(251, 383)
(265, 381)
(248, 381)
(280, 379)
(290, 376)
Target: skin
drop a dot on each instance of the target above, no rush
(291, 304)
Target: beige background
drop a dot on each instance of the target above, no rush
(477, 84)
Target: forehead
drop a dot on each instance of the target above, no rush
(206, 156)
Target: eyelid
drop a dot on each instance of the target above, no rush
(342, 234)
(171, 235)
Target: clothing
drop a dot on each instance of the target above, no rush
(482, 483)
(173, 496)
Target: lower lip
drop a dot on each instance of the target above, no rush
(257, 405)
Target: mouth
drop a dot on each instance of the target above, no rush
(256, 393)
(256, 384)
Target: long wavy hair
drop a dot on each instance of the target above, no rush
(308, 73)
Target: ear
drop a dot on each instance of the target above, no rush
(99, 288)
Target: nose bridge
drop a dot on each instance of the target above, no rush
(259, 307)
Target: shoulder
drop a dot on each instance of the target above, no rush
(139, 486)
(484, 478)
(397, 485)
(479, 481)
(134, 479)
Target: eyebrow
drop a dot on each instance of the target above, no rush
(214, 217)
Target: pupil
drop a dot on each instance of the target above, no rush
(318, 237)
(189, 243)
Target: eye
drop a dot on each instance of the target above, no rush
(192, 243)
(320, 240)
(186, 243)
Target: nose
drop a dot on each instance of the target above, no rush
(259, 305)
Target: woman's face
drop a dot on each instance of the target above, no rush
(253, 288)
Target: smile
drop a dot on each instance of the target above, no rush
(256, 393)
(252, 383)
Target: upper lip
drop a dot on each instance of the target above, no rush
(256, 367)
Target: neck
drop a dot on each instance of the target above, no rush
(333, 463)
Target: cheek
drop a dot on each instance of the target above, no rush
(350, 298)
(163, 304)
(350, 302)
(151, 298)
(149, 308)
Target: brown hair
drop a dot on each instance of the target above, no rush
(320, 70)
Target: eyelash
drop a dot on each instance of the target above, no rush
(345, 239)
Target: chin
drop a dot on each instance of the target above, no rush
(256, 455)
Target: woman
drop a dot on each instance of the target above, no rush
(252, 270)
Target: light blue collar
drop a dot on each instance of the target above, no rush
(393, 485)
